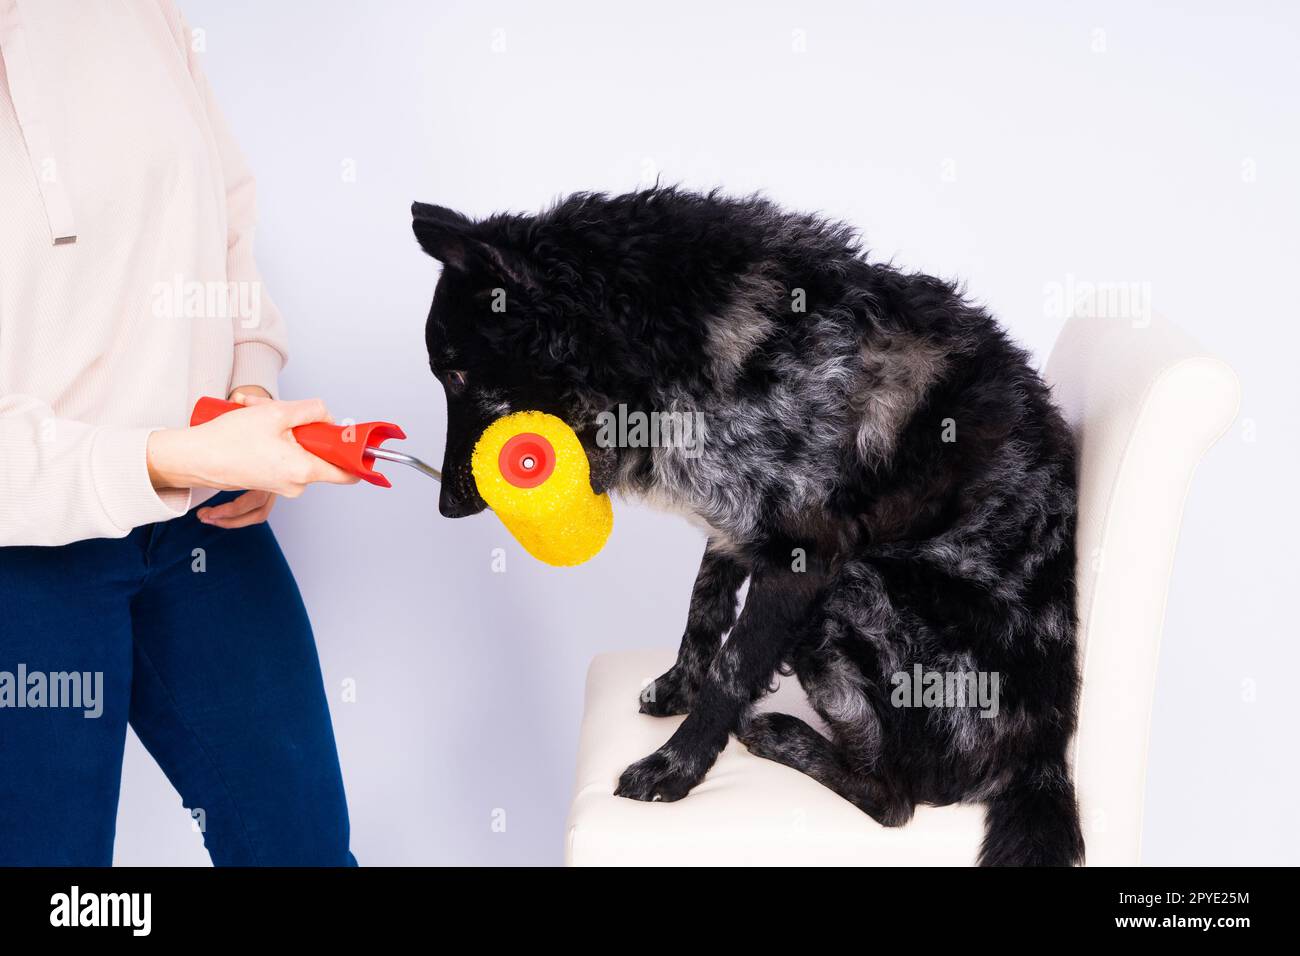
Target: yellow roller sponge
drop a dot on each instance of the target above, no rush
(533, 472)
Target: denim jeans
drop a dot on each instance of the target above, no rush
(198, 638)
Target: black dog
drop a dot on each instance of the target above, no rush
(879, 461)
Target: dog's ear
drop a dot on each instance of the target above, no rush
(460, 243)
(443, 233)
(602, 460)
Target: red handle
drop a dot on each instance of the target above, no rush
(341, 445)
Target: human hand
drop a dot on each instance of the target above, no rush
(251, 448)
(252, 507)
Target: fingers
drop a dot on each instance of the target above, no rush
(252, 507)
(248, 398)
(255, 392)
(293, 468)
(303, 412)
(322, 470)
(248, 501)
(306, 468)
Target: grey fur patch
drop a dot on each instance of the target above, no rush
(733, 335)
(897, 376)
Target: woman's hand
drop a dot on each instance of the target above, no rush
(251, 448)
(252, 507)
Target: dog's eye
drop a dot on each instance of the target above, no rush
(456, 382)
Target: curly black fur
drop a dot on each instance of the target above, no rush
(880, 462)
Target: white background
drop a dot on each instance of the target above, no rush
(1013, 145)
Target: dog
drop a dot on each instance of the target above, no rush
(879, 461)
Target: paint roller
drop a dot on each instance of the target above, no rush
(529, 467)
(533, 472)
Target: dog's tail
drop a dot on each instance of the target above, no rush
(1034, 821)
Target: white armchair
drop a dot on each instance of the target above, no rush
(1146, 403)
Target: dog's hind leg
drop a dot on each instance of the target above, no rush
(852, 762)
(789, 741)
(712, 614)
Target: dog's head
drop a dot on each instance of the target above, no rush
(509, 330)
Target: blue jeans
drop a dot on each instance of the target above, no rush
(199, 639)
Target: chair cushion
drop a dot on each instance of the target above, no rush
(747, 811)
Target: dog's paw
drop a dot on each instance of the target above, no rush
(667, 695)
(660, 776)
(770, 735)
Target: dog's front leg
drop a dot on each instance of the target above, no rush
(776, 610)
(712, 613)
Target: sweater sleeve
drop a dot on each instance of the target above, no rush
(261, 340)
(64, 481)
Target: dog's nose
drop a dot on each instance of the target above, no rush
(457, 503)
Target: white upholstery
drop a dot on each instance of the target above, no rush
(1146, 403)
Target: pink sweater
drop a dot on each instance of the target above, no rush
(109, 134)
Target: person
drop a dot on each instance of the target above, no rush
(140, 584)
